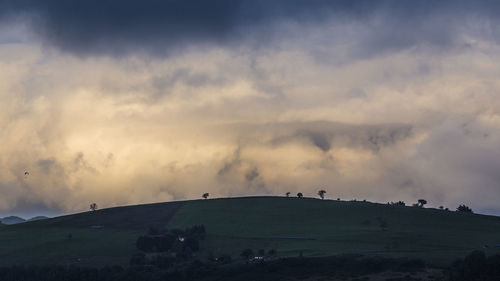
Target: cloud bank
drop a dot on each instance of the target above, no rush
(161, 28)
(123, 103)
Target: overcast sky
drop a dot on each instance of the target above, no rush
(126, 102)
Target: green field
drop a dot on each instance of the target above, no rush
(289, 225)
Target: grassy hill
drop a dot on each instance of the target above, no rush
(289, 225)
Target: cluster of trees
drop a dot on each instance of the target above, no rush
(179, 244)
(465, 209)
(169, 249)
(399, 203)
(299, 195)
(421, 202)
(321, 193)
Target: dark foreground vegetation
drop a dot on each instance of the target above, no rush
(474, 267)
(347, 267)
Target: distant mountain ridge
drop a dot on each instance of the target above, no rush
(12, 220)
(15, 219)
(37, 218)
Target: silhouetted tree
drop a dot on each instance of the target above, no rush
(321, 194)
(299, 195)
(464, 208)
(421, 202)
(205, 195)
(288, 194)
(93, 206)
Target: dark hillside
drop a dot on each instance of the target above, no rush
(126, 217)
(290, 226)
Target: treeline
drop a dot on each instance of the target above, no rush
(347, 266)
(474, 267)
(164, 248)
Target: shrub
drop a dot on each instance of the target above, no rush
(399, 203)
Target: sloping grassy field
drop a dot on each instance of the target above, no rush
(289, 225)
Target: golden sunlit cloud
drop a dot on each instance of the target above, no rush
(236, 120)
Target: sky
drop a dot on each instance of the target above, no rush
(128, 102)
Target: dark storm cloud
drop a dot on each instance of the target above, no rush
(252, 174)
(320, 140)
(325, 135)
(231, 164)
(158, 27)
